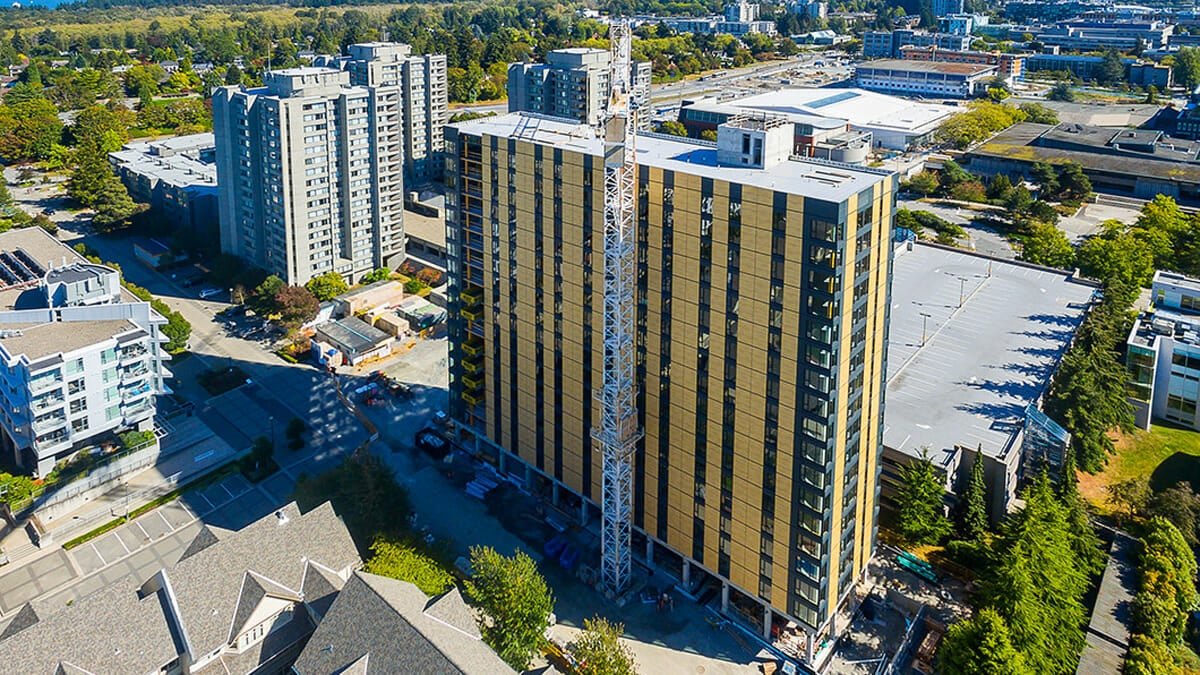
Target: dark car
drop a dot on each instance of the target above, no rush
(432, 444)
(400, 390)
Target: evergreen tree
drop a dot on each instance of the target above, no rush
(980, 645)
(973, 509)
(920, 500)
(1149, 657)
(1084, 540)
(1037, 585)
(1167, 587)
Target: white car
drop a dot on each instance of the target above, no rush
(209, 292)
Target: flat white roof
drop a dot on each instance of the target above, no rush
(982, 363)
(859, 107)
(812, 178)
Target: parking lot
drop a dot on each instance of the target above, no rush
(138, 548)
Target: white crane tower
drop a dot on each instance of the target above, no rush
(618, 432)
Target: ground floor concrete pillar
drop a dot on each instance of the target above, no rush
(583, 511)
(687, 575)
(649, 551)
(503, 461)
(554, 494)
(724, 596)
(529, 478)
(809, 646)
(767, 615)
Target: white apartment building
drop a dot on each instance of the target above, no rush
(1163, 353)
(425, 104)
(80, 358)
(310, 173)
(573, 84)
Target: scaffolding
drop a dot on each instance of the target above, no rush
(618, 432)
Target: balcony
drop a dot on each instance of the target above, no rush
(473, 383)
(474, 367)
(471, 314)
(134, 374)
(48, 423)
(471, 296)
(47, 402)
(473, 347)
(51, 440)
(132, 354)
(472, 398)
(45, 383)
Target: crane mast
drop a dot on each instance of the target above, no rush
(618, 432)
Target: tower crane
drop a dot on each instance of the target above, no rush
(618, 432)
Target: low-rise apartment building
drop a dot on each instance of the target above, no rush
(177, 177)
(80, 357)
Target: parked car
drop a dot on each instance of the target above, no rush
(432, 444)
(400, 390)
(209, 292)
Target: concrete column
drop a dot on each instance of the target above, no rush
(767, 623)
(583, 511)
(529, 478)
(687, 574)
(724, 596)
(503, 463)
(554, 494)
(809, 646)
(649, 551)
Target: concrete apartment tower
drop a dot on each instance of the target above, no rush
(572, 83)
(425, 105)
(763, 287)
(310, 171)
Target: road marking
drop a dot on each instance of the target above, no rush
(95, 550)
(114, 535)
(145, 534)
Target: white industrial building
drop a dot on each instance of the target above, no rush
(893, 123)
(80, 357)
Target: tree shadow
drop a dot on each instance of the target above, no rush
(1053, 319)
(1178, 467)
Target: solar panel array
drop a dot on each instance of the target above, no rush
(18, 267)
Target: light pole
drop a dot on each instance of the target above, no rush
(962, 282)
(924, 322)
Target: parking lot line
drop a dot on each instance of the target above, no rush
(95, 550)
(227, 490)
(145, 534)
(166, 522)
(122, 543)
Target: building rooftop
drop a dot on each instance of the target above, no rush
(352, 334)
(981, 363)
(216, 581)
(939, 67)
(382, 625)
(858, 107)
(38, 341)
(1024, 142)
(174, 160)
(813, 178)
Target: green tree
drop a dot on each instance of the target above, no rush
(1151, 95)
(973, 508)
(672, 127)
(924, 183)
(264, 294)
(599, 651)
(1187, 67)
(1036, 584)
(114, 207)
(327, 286)
(1046, 176)
(980, 645)
(1167, 585)
(1089, 554)
(1036, 112)
(1073, 184)
(1061, 91)
(708, 135)
(29, 130)
(1178, 504)
(1122, 263)
(15, 488)
(398, 560)
(1147, 656)
(1129, 497)
(381, 274)
(1112, 68)
(919, 502)
(1047, 245)
(516, 602)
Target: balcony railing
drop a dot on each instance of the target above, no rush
(472, 398)
(473, 347)
(48, 402)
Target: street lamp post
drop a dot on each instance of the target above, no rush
(924, 323)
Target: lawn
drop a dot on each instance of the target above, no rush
(1165, 454)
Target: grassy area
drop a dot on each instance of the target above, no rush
(1164, 454)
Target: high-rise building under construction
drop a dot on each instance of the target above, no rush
(762, 302)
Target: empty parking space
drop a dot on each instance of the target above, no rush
(155, 526)
(34, 579)
(176, 514)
